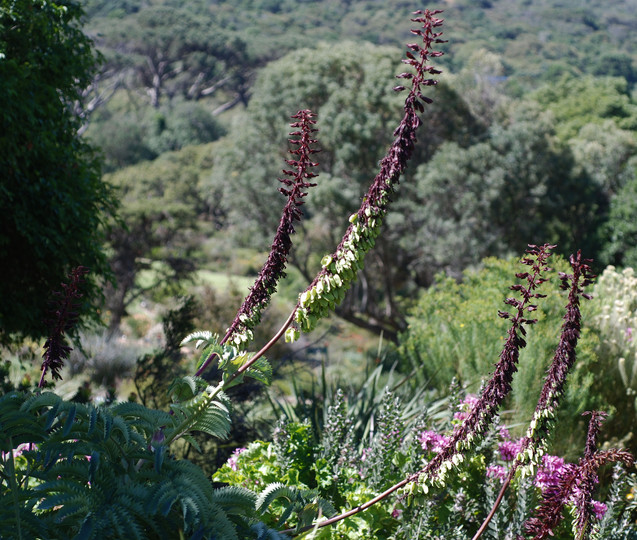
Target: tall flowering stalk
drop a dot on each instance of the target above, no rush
(588, 477)
(485, 408)
(297, 181)
(533, 445)
(340, 268)
(64, 316)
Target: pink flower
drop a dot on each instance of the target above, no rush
(232, 460)
(549, 473)
(466, 407)
(508, 450)
(19, 450)
(504, 433)
(497, 471)
(599, 509)
(432, 441)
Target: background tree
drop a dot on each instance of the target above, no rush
(519, 186)
(576, 102)
(161, 204)
(168, 74)
(604, 152)
(169, 52)
(621, 228)
(52, 200)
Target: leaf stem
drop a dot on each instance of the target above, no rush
(265, 348)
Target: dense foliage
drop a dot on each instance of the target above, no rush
(53, 202)
(452, 334)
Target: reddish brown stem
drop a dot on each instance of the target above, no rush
(353, 511)
(265, 348)
(498, 500)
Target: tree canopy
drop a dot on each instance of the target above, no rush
(169, 52)
(517, 186)
(52, 200)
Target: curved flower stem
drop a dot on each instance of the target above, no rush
(563, 360)
(495, 391)
(205, 365)
(297, 181)
(473, 427)
(496, 504)
(351, 512)
(340, 268)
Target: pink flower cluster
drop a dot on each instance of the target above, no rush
(509, 449)
(599, 509)
(550, 473)
(432, 441)
(18, 451)
(554, 468)
(466, 407)
(497, 471)
(232, 460)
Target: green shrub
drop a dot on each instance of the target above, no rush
(349, 471)
(454, 332)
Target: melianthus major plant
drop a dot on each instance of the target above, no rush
(69, 470)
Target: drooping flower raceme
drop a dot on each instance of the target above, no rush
(485, 408)
(297, 182)
(559, 481)
(534, 443)
(64, 316)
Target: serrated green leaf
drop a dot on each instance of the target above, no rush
(70, 418)
(182, 388)
(261, 370)
(200, 337)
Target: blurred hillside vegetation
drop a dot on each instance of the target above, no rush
(531, 136)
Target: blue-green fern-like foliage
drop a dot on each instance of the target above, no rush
(85, 471)
(197, 407)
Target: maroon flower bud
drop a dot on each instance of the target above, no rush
(64, 316)
(249, 313)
